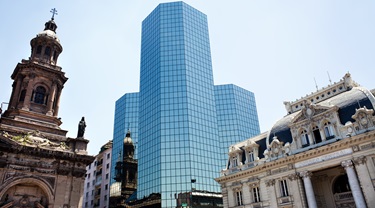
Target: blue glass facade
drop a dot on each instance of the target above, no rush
(186, 124)
(126, 117)
(237, 116)
(177, 123)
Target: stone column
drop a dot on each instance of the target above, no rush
(311, 201)
(365, 179)
(51, 98)
(311, 140)
(354, 185)
(271, 190)
(322, 134)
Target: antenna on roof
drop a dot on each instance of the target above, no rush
(316, 85)
(329, 78)
(359, 105)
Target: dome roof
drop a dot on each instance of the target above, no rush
(49, 34)
(128, 139)
(347, 102)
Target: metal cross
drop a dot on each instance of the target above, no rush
(53, 11)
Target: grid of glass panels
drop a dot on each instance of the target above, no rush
(178, 136)
(237, 116)
(126, 117)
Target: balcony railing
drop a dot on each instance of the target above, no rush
(343, 196)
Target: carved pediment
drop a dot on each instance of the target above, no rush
(309, 111)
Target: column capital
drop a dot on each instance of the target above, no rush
(270, 182)
(305, 174)
(347, 163)
(293, 176)
(360, 160)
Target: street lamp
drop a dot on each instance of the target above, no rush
(192, 189)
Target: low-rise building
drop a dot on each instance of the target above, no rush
(96, 189)
(320, 154)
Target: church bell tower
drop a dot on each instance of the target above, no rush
(37, 86)
(39, 165)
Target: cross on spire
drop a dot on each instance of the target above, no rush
(53, 11)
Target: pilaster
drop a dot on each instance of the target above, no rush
(296, 191)
(365, 179)
(272, 192)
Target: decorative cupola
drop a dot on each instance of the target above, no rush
(128, 146)
(46, 47)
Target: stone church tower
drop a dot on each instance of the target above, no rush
(126, 174)
(39, 165)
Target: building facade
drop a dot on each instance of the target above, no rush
(320, 154)
(97, 181)
(126, 118)
(178, 134)
(39, 165)
(237, 115)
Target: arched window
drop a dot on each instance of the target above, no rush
(328, 130)
(47, 51)
(40, 94)
(304, 138)
(251, 156)
(341, 184)
(22, 95)
(317, 136)
(39, 49)
(234, 161)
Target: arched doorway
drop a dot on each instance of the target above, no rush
(25, 193)
(342, 192)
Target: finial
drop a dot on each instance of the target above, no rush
(53, 11)
(316, 85)
(329, 78)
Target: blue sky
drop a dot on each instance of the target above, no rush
(273, 48)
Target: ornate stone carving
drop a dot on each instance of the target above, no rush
(293, 176)
(305, 174)
(360, 160)
(36, 139)
(270, 182)
(347, 164)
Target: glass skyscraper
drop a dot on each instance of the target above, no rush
(177, 118)
(185, 122)
(126, 118)
(236, 115)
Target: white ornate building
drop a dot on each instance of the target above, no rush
(321, 154)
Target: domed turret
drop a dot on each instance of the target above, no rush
(46, 47)
(128, 140)
(128, 146)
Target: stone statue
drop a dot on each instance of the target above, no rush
(81, 128)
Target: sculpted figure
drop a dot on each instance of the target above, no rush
(81, 128)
